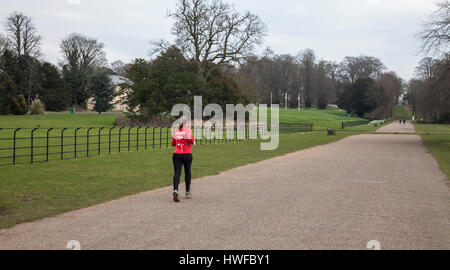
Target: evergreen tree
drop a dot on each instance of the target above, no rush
(54, 92)
(9, 101)
(101, 87)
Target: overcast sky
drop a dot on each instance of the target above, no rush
(332, 28)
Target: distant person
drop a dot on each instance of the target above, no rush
(182, 139)
(404, 121)
(400, 121)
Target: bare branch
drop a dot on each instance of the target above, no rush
(212, 31)
(435, 35)
(22, 35)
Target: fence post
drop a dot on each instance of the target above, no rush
(14, 145)
(87, 141)
(167, 138)
(153, 137)
(160, 135)
(109, 140)
(129, 129)
(137, 138)
(342, 125)
(75, 138)
(120, 132)
(99, 138)
(62, 143)
(48, 131)
(32, 150)
(146, 137)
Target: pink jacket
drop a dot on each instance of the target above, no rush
(182, 139)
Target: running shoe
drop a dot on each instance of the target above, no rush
(175, 196)
(188, 195)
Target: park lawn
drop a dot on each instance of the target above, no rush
(402, 112)
(29, 192)
(57, 120)
(438, 144)
(322, 119)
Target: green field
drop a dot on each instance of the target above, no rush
(33, 191)
(57, 120)
(402, 112)
(438, 144)
(322, 119)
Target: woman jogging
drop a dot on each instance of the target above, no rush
(182, 139)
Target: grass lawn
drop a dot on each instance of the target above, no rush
(57, 120)
(402, 112)
(438, 144)
(322, 119)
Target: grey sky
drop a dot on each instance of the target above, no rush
(332, 28)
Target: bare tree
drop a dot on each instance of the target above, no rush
(426, 68)
(436, 32)
(4, 43)
(353, 68)
(118, 67)
(82, 53)
(22, 35)
(213, 31)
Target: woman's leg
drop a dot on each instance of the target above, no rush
(177, 163)
(187, 162)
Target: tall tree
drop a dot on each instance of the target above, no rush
(362, 97)
(81, 57)
(54, 91)
(7, 94)
(212, 31)
(308, 61)
(25, 42)
(102, 89)
(361, 67)
(10, 102)
(22, 34)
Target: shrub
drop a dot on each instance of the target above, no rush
(37, 107)
(19, 105)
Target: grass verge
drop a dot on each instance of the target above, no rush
(438, 144)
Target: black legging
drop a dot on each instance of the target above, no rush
(178, 161)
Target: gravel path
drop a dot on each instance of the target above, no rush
(336, 196)
(395, 126)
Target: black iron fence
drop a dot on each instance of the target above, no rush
(354, 123)
(32, 145)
